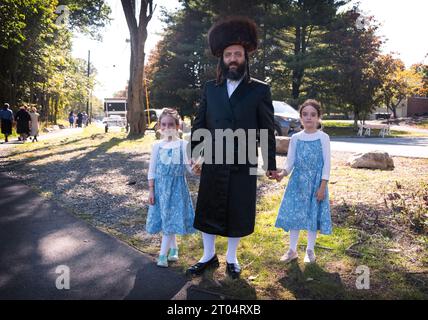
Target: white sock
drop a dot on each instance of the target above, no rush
(232, 245)
(209, 246)
(294, 238)
(173, 243)
(312, 237)
(166, 240)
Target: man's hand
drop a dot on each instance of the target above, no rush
(272, 174)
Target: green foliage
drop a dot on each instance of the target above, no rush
(36, 65)
(294, 56)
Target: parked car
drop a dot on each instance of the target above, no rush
(383, 115)
(287, 119)
(114, 123)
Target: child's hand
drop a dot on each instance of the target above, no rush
(196, 169)
(197, 166)
(151, 197)
(320, 194)
(281, 174)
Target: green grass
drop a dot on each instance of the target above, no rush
(13, 135)
(263, 275)
(423, 124)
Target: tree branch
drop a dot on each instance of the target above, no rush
(145, 16)
(309, 35)
(129, 10)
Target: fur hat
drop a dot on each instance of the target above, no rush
(232, 30)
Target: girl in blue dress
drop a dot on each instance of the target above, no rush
(305, 205)
(171, 209)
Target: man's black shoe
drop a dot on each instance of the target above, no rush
(200, 267)
(233, 270)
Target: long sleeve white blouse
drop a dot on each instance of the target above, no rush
(302, 135)
(167, 145)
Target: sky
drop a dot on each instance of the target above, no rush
(111, 56)
(403, 23)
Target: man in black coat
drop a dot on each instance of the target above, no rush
(226, 204)
(23, 121)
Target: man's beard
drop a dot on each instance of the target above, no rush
(233, 74)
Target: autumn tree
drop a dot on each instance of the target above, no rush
(397, 82)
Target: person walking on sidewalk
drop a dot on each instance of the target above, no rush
(6, 121)
(23, 121)
(34, 123)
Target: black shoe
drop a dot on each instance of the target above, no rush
(233, 270)
(200, 267)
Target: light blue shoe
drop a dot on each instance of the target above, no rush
(173, 254)
(162, 261)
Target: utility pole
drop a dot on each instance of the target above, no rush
(89, 73)
(147, 101)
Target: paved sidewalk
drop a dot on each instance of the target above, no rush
(37, 236)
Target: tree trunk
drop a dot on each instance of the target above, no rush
(55, 115)
(296, 78)
(47, 104)
(394, 107)
(14, 87)
(138, 35)
(356, 117)
(300, 45)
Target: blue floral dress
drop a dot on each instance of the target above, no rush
(299, 208)
(173, 211)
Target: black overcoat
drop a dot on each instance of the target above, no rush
(226, 203)
(23, 119)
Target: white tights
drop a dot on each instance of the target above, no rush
(209, 248)
(168, 241)
(294, 237)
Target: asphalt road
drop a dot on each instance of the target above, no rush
(414, 147)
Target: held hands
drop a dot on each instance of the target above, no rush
(278, 175)
(197, 166)
(272, 174)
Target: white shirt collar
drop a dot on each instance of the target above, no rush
(232, 85)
